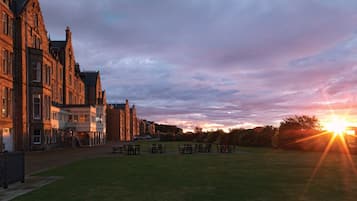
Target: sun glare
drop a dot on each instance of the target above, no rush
(337, 125)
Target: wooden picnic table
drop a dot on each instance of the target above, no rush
(118, 148)
(225, 148)
(130, 149)
(203, 148)
(185, 149)
(158, 148)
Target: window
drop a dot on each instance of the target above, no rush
(36, 20)
(70, 61)
(54, 93)
(82, 118)
(7, 24)
(60, 95)
(47, 107)
(70, 79)
(36, 72)
(48, 75)
(36, 136)
(75, 118)
(70, 98)
(60, 74)
(86, 117)
(6, 100)
(70, 118)
(37, 107)
(6, 62)
(37, 43)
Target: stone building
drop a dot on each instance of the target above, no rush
(42, 90)
(34, 66)
(72, 83)
(168, 129)
(122, 112)
(96, 96)
(122, 122)
(147, 127)
(115, 124)
(6, 77)
(134, 129)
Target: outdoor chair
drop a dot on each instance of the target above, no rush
(137, 149)
(154, 148)
(161, 148)
(130, 149)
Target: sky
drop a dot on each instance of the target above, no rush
(217, 64)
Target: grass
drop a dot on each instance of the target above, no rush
(252, 174)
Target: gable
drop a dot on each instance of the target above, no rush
(37, 33)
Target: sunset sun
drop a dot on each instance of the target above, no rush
(337, 125)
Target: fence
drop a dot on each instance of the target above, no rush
(12, 168)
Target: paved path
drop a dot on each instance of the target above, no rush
(18, 189)
(39, 161)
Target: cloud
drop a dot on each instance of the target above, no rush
(213, 62)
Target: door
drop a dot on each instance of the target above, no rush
(8, 139)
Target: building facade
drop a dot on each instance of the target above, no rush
(42, 90)
(122, 122)
(147, 127)
(6, 77)
(134, 128)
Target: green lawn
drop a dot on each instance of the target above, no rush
(252, 174)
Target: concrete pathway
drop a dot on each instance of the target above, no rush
(32, 183)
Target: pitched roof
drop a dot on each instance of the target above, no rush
(90, 78)
(58, 44)
(118, 106)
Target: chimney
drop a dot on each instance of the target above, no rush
(68, 34)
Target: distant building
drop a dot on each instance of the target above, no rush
(134, 130)
(162, 129)
(147, 127)
(121, 122)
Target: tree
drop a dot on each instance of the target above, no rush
(293, 129)
(300, 122)
(198, 130)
